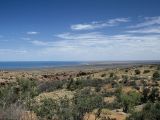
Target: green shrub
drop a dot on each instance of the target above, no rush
(156, 75)
(83, 82)
(150, 95)
(151, 111)
(51, 85)
(103, 75)
(111, 75)
(8, 95)
(46, 109)
(126, 70)
(154, 95)
(20, 93)
(27, 88)
(158, 67)
(145, 95)
(146, 71)
(137, 72)
(50, 109)
(129, 100)
(85, 102)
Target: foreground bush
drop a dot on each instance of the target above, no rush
(128, 101)
(19, 95)
(64, 109)
(85, 102)
(49, 109)
(151, 111)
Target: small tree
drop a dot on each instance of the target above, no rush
(47, 109)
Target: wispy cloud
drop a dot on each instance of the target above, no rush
(39, 43)
(125, 45)
(99, 46)
(148, 21)
(150, 25)
(25, 38)
(147, 30)
(32, 33)
(100, 40)
(90, 35)
(6, 51)
(99, 24)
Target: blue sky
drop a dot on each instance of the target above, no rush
(71, 30)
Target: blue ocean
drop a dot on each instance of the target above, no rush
(36, 64)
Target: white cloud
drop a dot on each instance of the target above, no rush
(32, 33)
(25, 38)
(97, 39)
(90, 35)
(90, 46)
(98, 46)
(147, 30)
(39, 43)
(148, 21)
(13, 51)
(99, 24)
(150, 25)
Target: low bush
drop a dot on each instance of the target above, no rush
(85, 102)
(83, 82)
(63, 109)
(137, 72)
(150, 95)
(151, 111)
(103, 75)
(146, 71)
(158, 67)
(51, 85)
(18, 96)
(128, 101)
(156, 75)
(111, 75)
(52, 109)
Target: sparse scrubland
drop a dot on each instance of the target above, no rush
(129, 93)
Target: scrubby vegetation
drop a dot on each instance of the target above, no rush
(151, 111)
(103, 95)
(146, 71)
(19, 95)
(137, 72)
(156, 75)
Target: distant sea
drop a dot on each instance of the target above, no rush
(36, 64)
(56, 64)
